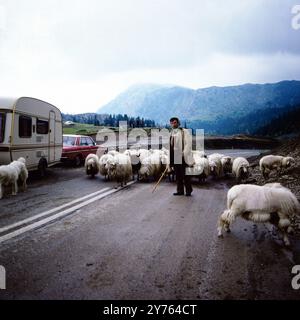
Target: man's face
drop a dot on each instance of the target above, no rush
(174, 124)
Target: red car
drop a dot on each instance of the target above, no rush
(76, 148)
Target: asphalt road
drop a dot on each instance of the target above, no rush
(133, 244)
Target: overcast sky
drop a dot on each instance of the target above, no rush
(79, 54)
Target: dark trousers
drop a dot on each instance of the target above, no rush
(182, 179)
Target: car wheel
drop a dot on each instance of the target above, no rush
(77, 161)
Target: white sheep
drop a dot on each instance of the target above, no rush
(113, 152)
(12, 173)
(102, 164)
(271, 162)
(23, 176)
(201, 168)
(198, 153)
(119, 168)
(269, 203)
(151, 166)
(215, 164)
(143, 153)
(240, 168)
(91, 165)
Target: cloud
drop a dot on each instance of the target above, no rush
(83, 53)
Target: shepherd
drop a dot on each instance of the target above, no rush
(181, 157)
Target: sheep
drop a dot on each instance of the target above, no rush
(201, 168)
(268, 203)
(12, 173)
(240, 168)
(215, 164)
(119, 168)
(113, 152)
(102, 164)
(23, 176)
(165, 164)
(135, 161)
(199, 153)
(91, 165)
(227, 162)
(143, 153)
(151, 166)
(271, 162)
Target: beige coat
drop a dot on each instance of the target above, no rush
(182, 136)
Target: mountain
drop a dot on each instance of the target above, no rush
(160, 102)
(270, 121)
(286, 124)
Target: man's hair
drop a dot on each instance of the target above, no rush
(174, 119)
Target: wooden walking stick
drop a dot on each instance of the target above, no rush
(159, 179)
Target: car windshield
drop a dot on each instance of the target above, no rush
(69, 141)
(2, 126)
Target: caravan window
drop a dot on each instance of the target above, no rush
(25, 127)
(42, 127)
(2, 126)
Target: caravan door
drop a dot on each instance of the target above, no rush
(51, 137)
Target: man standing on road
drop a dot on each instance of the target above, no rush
(181, 156)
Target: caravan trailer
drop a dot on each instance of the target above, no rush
(32, 129)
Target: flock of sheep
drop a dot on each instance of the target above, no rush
(121, 166)
(268, 203)
(271, 203)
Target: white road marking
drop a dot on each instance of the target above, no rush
(58, 215)
(25, 221)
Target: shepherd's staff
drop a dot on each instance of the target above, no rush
(159, 179)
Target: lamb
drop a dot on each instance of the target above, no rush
(240, 168)
(271, 162)
(119, 168)
(92, 165)
(12, 173)
(102, 164)
(271, 203)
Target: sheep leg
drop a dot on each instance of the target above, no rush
(286, 239)
(24, 186)
(290, 230)
(14, 188)
(284, 224)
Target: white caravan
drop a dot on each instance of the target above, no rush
(32, 129)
